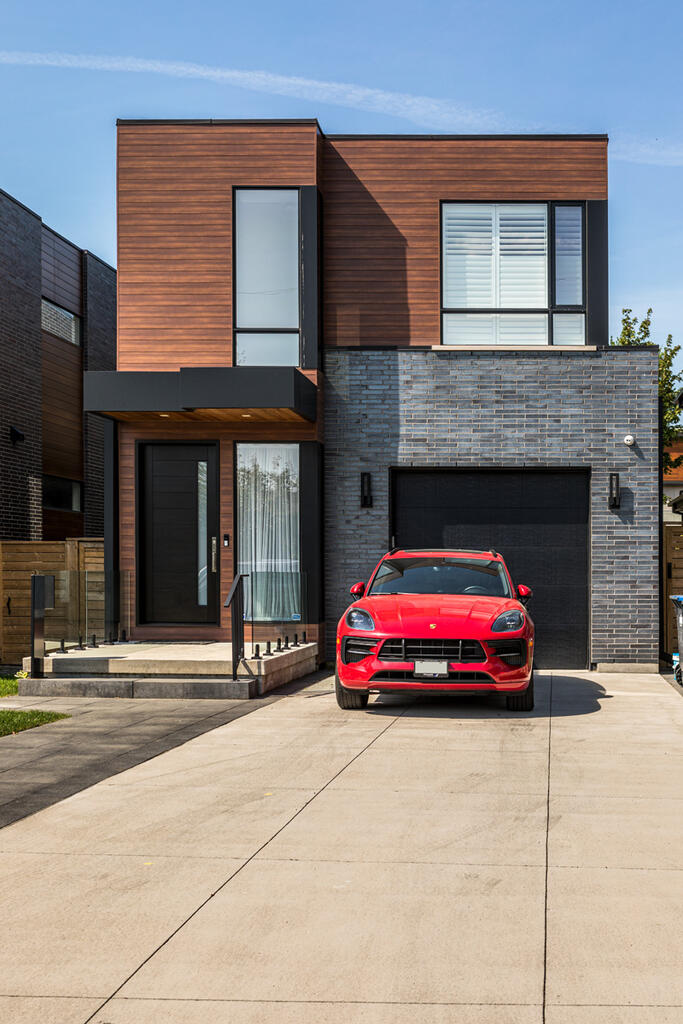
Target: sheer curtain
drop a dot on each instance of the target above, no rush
(268, 530)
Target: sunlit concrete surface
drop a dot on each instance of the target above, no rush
(426, 860)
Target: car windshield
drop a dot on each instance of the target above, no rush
(441, 575)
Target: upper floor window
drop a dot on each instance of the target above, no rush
(60, 322)
(512, 274)
(267, 285)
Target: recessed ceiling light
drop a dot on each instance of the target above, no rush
(164, 415)
(246, 415)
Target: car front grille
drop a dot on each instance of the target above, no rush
(355, 648)
(400, 675)
(512, 652)
(444, 650)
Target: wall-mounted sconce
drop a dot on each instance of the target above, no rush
(15, 436)
(366, 490)
(614, 491)
(226, 540)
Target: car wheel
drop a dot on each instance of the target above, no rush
(349, 700)
(523, 701)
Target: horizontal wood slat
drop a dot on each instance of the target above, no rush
(19, 560)
(61, 271)
(175, 232)
(62, 376)
(382, 220)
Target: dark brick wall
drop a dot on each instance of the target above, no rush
(515, 409)
(20, 372)
(99, 353)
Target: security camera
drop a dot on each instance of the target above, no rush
(629, 440)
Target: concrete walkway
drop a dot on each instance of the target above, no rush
(419, 863)
(102, 737)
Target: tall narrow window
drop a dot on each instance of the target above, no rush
(268, 530)
(568, 255)
(267, 274)
(496, 262)
(202, 535)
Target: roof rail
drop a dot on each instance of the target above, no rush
(464, 551)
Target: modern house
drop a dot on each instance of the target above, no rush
(328, 345)
(57, 319)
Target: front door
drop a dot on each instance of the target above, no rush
(177, 534)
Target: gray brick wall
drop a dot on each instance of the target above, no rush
(513, 409)
(99, 353)
(20, 372)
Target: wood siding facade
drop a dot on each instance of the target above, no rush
(175, 187)
(381, 203)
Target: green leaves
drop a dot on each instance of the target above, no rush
(637, 333)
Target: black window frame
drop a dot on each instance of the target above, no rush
(265, 330)
(553, 307)
(53, 507)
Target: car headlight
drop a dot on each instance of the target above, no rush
(358, 618)
(508, 622)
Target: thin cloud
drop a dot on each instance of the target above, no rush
(425, 111)
(658, 152)
(440, 115)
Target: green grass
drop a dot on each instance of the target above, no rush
(16, 721)
(9, 686)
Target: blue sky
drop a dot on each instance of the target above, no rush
(68, 70)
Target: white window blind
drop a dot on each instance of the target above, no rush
(569, 329)
(568, 255)
(495, 256)
(514, 329)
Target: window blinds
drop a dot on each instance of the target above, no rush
(495, 256)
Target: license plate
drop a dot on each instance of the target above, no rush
(432, 669)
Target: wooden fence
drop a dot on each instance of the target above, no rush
(79, 598)
(672, 581)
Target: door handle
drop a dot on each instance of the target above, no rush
(213, 554)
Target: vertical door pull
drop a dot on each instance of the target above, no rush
(213, 554)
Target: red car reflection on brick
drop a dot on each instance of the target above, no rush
(437, 621)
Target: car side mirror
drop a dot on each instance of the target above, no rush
(524, 593)
(357, 590)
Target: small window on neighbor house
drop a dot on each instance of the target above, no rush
(60, 322)
(61, 494)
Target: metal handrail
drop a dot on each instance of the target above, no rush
(235, 602)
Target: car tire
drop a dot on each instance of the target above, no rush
(523, 701)
(349, 700)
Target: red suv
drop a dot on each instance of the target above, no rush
(437, 621)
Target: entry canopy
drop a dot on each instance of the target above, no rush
(230, 393)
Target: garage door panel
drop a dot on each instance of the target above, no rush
(538, 520)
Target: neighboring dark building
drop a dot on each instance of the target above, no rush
(57, 318)
(415, 327)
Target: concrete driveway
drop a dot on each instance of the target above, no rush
(421, 862)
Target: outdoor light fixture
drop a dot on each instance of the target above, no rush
(629, 440)
(614, 491)
(366, 490)
(15, 436)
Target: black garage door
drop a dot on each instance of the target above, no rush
(538, 521)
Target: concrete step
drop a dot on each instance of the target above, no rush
(174, 687)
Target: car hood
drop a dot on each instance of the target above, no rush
(413, 616)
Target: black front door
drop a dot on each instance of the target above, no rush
(537, 519)
(177, 521)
